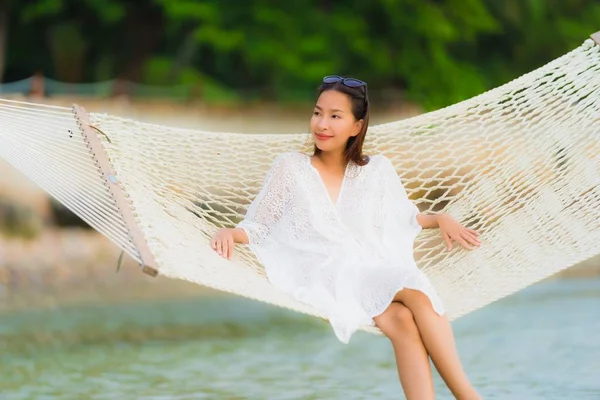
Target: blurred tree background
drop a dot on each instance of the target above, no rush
(431, 52)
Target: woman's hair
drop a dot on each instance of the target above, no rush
(359, 99)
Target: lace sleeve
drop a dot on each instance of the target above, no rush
(396, 199)
(266, 209)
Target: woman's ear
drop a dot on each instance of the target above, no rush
(357, 127)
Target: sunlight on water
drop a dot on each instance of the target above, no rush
(541, 343)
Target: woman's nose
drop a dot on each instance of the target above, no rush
(322, 124)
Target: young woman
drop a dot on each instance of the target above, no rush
(336, 231)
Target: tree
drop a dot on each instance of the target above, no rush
(432, 52)
(4, 4)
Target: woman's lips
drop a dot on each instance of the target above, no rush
(322, 137)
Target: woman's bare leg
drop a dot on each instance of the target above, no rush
(398, 324)
(438, 338)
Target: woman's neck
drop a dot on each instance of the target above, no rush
(332, 161)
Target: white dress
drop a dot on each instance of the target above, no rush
(346, 259)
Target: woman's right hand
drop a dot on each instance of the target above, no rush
(223, 242)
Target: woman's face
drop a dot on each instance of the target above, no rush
(333, 123)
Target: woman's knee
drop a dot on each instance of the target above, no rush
(415, 299)
(396, 320)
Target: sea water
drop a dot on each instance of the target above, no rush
(540, 343)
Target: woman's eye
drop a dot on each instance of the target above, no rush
(315, 113)
(335, 116)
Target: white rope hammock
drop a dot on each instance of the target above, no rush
(520, 163)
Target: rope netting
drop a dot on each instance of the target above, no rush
(520, 163)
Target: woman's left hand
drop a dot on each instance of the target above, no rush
(453, 231)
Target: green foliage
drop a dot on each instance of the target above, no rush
(434, 52)
(41, 9)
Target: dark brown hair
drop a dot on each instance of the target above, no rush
(359, 99)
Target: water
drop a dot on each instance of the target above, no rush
(541, 343)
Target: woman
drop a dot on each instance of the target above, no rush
(336, 231)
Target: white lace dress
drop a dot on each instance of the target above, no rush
(347, 259)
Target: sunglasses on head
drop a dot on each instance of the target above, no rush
(350, 82)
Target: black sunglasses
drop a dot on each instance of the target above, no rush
(350, 82)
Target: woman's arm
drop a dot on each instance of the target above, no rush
(225, 239)
(428, 221)
(240, 236)
(450, 229)
(262, 214)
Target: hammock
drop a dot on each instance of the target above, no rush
(520, 163)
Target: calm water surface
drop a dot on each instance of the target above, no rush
(541, 343)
